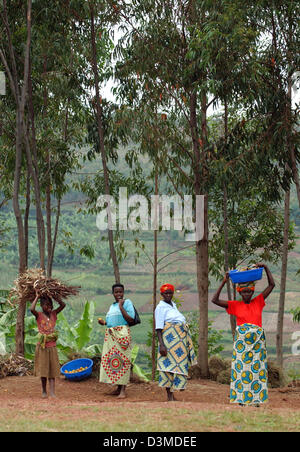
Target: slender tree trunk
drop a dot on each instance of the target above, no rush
(153, 354)
(101, 143)
(295, 174)
(16, 204)
(284, 262)
(202, 285)
(280, 318)
(225, 216)
(20, 101)
(32, 162)
(26, 214)
(53, 242)
(51, 257)
(200, 177)
(226, 256)
(48, 215)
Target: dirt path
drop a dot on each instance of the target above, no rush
(20, 392)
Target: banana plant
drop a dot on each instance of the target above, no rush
(8, 329)
(75, 339)
(135, 368)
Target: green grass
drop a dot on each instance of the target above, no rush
(140, 417)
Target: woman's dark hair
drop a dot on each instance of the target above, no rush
(45, 299)
(116, 285)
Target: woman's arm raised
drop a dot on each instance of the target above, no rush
(215, 299)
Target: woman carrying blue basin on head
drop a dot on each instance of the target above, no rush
(249, 374)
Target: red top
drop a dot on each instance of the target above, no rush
(247, 313)
(46, 325)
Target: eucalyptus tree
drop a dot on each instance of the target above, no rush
(39, 99)
(282, 19)
(11, 52)
(56, 110)
(93, 23)
(17, 75)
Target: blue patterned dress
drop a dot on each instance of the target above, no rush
(173, 368)
(249, 371)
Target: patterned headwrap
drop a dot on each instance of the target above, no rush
(165, 287)
(246, 285)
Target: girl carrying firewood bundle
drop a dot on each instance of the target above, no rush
(46, 363)
(31, 286)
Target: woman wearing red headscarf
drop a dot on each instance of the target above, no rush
(176, 350)
(249, 373)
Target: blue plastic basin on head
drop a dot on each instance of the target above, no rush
(76, 364)
(246, 276)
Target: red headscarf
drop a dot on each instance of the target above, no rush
(247, 285)
(165, 287)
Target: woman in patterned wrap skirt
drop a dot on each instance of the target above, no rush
(116, 354)
(249, 373)
(176, 350)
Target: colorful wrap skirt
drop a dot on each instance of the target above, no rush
(116, 356)
(173, 368)
(249, 372)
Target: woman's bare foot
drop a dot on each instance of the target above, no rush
(115, 393)
(122, 394)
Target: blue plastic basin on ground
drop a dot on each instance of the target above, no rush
(76, 364)
(246, 276)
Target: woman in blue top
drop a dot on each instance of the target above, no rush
(116, 354)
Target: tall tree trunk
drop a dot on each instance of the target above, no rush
(48, 215)
(284, 261)
(16, 190)
(32, 162)
(225, 216)
(20, 101)
(200, 178)
(53, 241)
(101, 143)
(202, 286)
(153, 348)
(19, 334)
(51, 257)
(26, 214)
(295, 174)
(280, 318)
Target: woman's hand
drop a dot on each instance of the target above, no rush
(162, 350)
(121, 302)
(226, 277)
(260, 264)
(101, 321)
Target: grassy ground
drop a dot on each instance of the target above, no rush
(87, 406)
(136, 419)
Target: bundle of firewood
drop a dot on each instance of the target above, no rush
(15, 365)
(34, 280)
